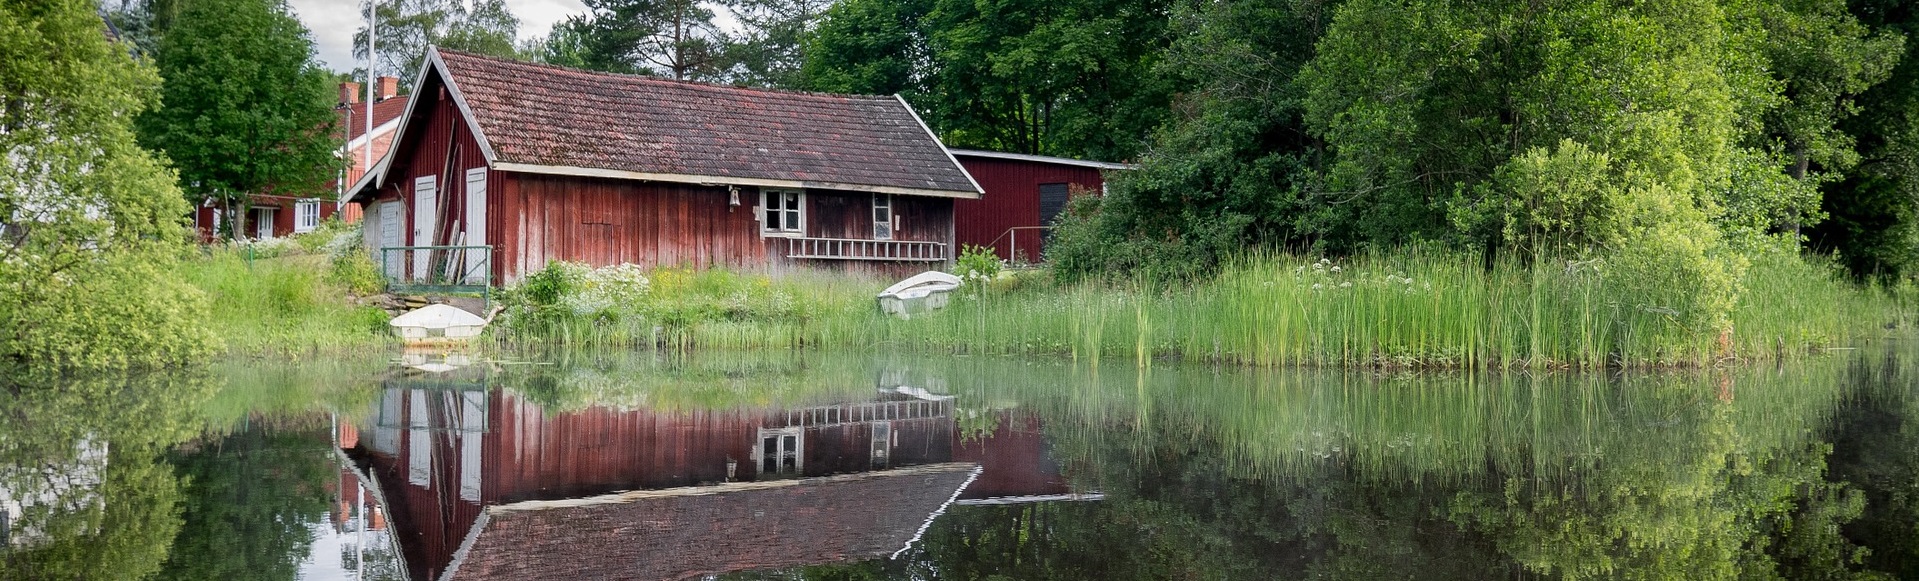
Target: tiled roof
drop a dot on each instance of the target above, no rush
(384, 112)
(553, 116)
(692, 532)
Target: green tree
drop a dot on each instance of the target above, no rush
(408, 27)
(92, 222)
(770, 48)
(1073, 78)
(1225, 169)
(869, 47)
(245, 109)
(677, 39)
(1873, 208)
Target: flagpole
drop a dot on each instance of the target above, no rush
(372, 63)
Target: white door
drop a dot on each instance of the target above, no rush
(263, 223)
(425, 207)
(390, 218)
(475, 225)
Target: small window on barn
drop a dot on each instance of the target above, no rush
(784, 211)
(882, 217)
(306, 215)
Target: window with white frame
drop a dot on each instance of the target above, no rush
(782, 211)
(882, 217)
(306, 215)
(781, 451)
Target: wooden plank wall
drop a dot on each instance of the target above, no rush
(605, 221)
(1012, 199)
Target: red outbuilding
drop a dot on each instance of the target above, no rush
(519, 164)
(1024, 194)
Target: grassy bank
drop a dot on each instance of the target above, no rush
(1406, 310)
(286, 298)
(1401, 310)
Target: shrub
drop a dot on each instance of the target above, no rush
(977, 263)
(552, 284)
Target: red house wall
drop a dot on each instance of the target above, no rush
(603, 221)
(1012, 200)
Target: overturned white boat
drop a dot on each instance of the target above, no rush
(438, 324)
(923, 292)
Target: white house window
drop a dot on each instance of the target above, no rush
(882, 217)
(306, 215)
(784, 211)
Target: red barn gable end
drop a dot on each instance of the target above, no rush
(545, 163)
(1024, 193)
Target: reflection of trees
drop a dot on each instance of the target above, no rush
(1691, 475)
(1876, 439)
(250, 500)
(126, 534)
(376, 561)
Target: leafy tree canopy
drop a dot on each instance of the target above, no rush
(89, 221)
(408, 27)
(1074, 79)
(245, 109)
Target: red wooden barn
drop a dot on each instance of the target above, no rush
(1024, 193)
(539, 163)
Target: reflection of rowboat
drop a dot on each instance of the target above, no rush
(923, 292)
(438, 324)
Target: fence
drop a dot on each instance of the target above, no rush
(444, 269)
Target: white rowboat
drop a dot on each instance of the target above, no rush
(438, 324)
(923, 292)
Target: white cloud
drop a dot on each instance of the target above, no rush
(333, 23)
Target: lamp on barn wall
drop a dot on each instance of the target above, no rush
(733, 198)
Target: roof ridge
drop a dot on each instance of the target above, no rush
(651, 78)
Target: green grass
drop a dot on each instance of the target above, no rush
(1408, 310)
(684, 308)
(282, 306)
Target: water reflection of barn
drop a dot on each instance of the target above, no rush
(727, 490)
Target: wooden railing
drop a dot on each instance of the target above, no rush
(850, 249)
(834, 415)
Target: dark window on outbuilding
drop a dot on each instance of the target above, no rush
(1052, 201)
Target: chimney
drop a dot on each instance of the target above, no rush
(349, 93)
(386, 87)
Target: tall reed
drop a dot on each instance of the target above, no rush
(1404, 310)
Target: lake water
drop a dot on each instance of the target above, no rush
(817, 466)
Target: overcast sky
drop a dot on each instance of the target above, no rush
(333, 23)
